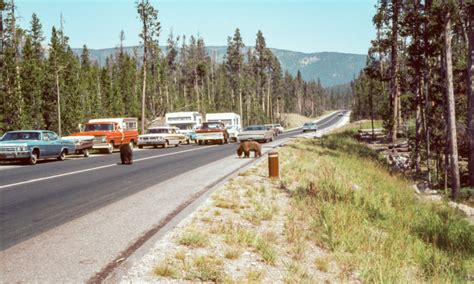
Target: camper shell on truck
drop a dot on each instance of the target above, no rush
(110, 132)
(186, 121)
(231, 121)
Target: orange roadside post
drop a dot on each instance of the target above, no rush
(273, 167)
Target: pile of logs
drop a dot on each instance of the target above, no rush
(368, 134)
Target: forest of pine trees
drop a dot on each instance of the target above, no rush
(43, 81)
(419, 75)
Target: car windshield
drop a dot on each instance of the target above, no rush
(255, 128)
(307, 124)
(184, 126)
(157, 130)
(21, 136)
(99, 127)
(210, 125)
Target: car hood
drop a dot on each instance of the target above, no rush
(92, 133)
(17, 143)
(77, 138)
(209, 130)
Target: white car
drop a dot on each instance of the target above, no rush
(163, 136)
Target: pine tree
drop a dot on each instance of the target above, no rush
(234, 62)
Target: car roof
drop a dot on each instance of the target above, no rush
(17, 131)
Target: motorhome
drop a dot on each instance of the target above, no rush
(231, 120)
(187, 122)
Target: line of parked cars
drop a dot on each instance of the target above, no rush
(104, 135)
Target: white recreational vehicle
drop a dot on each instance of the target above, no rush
(187, 122)
(231, 120)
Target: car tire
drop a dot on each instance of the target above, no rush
(188, 141)
(110, 148)
(62, 156)
(177, 144)
(33, 159)
(86, 153)
(166, 144)
(199, 142)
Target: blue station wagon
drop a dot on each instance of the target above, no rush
(31, 145)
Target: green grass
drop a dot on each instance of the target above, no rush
(381, 230)
(206, 268)
(193, 238)
(165, 270)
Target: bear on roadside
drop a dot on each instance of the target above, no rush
(246, 147)
(126, 154)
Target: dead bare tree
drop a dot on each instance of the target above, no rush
(452, 136)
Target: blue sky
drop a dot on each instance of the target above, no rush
(299, 25)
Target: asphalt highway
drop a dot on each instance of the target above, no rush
(34, 199)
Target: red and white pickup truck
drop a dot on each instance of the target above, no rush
(213, 132)
(110, 132)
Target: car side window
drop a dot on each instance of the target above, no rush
(46, 136)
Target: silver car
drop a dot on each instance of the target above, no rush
(259, 133)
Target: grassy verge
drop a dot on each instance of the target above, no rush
(371, 220)
(336, 215)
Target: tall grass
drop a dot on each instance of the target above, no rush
(370, 220)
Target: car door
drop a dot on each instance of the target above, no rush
(55, 143)
(46, 149)
(172, 137)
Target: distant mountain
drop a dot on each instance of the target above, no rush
(332, 68)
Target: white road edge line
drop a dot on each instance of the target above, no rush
(101, 167)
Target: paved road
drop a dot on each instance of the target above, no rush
(34, 199)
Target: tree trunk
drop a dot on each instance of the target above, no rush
(145, 43)
(240, 95)
(58, 96)
(470, 110)
(371, 101)
(425, 114)
(394, 88)
(452, 136)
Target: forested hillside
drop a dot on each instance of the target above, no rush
(42, 87)
(420, 75)
(331, 68)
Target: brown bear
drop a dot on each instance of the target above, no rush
(246, 147)
(126, 154)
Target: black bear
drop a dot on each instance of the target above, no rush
(126, 154)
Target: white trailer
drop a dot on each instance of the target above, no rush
(231, 120)
(187, 122)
